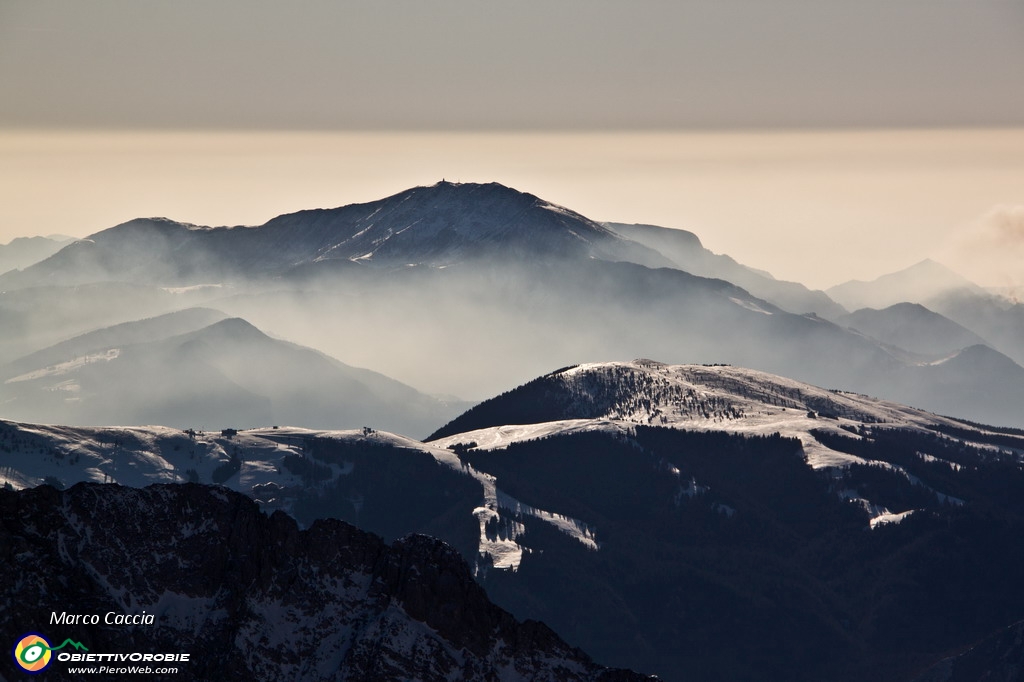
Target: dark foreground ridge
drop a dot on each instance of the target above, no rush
(999, 658)
(249, 596)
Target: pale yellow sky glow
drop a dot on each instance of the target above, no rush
(816, 207)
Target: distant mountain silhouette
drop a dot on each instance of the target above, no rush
(917, 284)
(439, 225)
(223, 374)
(687, 253)
(913, 327)
(461, 289)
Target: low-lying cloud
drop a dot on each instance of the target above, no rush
(990, 251)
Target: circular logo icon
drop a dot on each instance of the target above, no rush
(32, 653)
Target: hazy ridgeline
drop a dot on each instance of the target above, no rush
(457, 290)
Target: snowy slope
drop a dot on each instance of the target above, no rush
(615, 397)
(596, 397)
(139, 456)
(644, 511)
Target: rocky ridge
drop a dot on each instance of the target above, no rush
(253, 597)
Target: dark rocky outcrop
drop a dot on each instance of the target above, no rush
(254, 597)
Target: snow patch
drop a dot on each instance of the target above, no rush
(68, 366)
(884, 519)
(749, 305)
(192, 289)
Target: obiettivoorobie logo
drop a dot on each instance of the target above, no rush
(32, 653)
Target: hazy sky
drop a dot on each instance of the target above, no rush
(112, 109)
(453, 64)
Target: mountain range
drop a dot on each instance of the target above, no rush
(922, 281)
(794, 508)
(686, 252)
(996, 319)
(25, 251)
(197, 368)
(431, 285)
(911, 327)
(433, 226)
(707, 521)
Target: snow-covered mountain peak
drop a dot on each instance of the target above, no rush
(614, 396)
(448, 222)
(438, 225)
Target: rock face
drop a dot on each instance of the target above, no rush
(253, 597)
